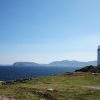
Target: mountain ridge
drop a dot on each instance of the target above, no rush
(63, 63)
(25, 64)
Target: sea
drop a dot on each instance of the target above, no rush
(18, 72)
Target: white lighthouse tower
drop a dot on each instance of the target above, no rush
(98, 56)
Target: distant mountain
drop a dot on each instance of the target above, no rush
(25, 64)
(5, 65)
(72, 63)
(64, 63)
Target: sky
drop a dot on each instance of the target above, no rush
(43, 31)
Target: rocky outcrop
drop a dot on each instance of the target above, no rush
(94, 69)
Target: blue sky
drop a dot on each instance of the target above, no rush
(47, 30)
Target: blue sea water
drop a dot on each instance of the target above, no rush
(12, 72)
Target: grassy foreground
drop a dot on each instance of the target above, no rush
(60, 87)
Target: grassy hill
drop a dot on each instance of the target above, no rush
(69, 86)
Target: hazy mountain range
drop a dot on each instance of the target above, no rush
(64, 63)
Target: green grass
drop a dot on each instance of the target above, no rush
(68, 87)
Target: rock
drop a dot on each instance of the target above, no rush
(51, 90)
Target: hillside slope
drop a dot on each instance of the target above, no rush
(69, 86)
(90, 68)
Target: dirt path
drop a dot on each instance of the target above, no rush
(92, 87)
(5, 98)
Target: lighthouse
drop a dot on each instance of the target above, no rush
(98, 56)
